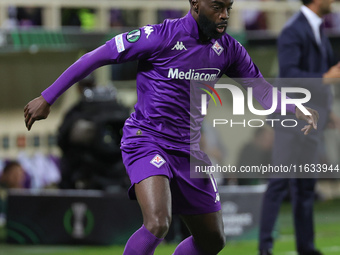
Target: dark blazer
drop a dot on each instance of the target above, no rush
(302, 62)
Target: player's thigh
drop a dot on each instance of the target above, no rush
(154, 197)
(207, 230)
(153, 194)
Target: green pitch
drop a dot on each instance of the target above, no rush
(327, 225)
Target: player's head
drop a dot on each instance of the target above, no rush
(13, 175)
(211, 16)
(320, 7)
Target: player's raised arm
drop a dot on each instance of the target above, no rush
(39, 107)
(119, 49)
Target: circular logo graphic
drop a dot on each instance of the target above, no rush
(133, 36)
(78, 220)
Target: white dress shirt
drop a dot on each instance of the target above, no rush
(314, 21)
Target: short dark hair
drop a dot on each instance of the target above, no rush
(9, 165)
(306, 2)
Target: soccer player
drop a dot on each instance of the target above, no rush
(162, 134)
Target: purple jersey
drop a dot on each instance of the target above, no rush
(170, 56)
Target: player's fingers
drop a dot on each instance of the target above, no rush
(312, 122)
(316, 114)
(309, 129)
(30, 123)
(26, 111)
(27, 118)
(306, 129)
(313, 118)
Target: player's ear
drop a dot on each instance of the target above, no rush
(194, 4)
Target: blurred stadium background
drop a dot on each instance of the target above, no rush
(39, 39)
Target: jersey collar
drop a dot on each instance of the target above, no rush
(190, 25)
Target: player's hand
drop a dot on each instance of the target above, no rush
(37, 109)
(312, 119)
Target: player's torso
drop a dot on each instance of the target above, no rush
(165, 83)
(184, 59)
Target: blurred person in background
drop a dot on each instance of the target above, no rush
(254, 19)
(13, 176)
(11, 22)
(29, 17)
(306, 55)
(70, 17)
(332, 134)
(87, 18)
(116, 18)
(169, 14)
(161, 138)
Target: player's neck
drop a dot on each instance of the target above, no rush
(203, 38)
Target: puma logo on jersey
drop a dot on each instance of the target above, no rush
(179, 46)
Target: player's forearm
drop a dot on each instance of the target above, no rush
(76, 72)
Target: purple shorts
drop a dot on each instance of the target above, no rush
(189, 195)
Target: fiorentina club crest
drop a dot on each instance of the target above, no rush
(217, 48)
(157, 161)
